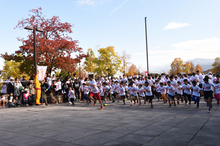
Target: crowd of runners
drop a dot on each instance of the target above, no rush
(139, 90)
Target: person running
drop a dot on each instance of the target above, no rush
(179, 91)
(187, 92)
(85, 90)
(141, 91)
(207, 88)
(133, 93)
(171, 93)
(217, 92)
(121, 90)
(148, 93)
(196, 92)
(162, 90)
(94, 91)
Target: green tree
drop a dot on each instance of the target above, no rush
(216, 65)
(108, 62)
(12, 69)
(89, 64)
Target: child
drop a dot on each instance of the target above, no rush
(26, 96)
(17, 102)
(196, 93)
(116, 87)
(141, 93)
(217, 92)
(171, 93)
(121, 90)
(162, 90)
(71, 95)
(157, 93)
(187, 92)
(2, 100)
(102, 94)
(85, 90)
(133, 93)
(148, 93)
(207, 88)
(4, 88)
(11, 100)
(179, 91)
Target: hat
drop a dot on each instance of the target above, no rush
(210, 72)
(11, 78)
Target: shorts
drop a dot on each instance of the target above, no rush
(96, 95)
(188, 96)
(122, 97)
(132, 96)
(171, 96)
(157, 94)
(179, 95)
(148, 98)
(208, 94)
(103, 97)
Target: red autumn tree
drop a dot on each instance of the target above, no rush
(54, 47)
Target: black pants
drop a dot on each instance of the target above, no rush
(77, 93)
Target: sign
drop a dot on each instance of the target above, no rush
(146, 73)
(42, 71)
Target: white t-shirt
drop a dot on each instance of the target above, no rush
(217, 86)
(179, 90)
(71, 94)
(157, 86)
(149, 92)
(116, 87)
(132, 90)
(162, 90)
(94, 89)
(101, 92)
(58, 86)
(200, 78)
(4, 89)
(207, 87)
(121, 91)
(2, 98)
(141, 91)
(85, 89)
(194, 78)
(171, 90)
(196, 90)
(10, 99)
(187, 91)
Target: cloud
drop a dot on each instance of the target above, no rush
(116, 9)
(174, 25)
(86, 2)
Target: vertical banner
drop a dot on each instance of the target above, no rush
(42, 71)
(146, 73)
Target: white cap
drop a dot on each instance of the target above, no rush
(11, 78)
(210, 72)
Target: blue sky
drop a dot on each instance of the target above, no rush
(176, 28)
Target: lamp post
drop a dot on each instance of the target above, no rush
(35, 49)
(146, 45)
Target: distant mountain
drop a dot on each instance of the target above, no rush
(204, 63)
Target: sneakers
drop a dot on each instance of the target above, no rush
(190, 105)
(56, 103)
(124, 103)
(105, 104)
(169, 105)
(139, 104)
(94, 103)
(178, 102)
(131, 104)
(152, 106)
(209, 111)
(101, 108)
(174, 104)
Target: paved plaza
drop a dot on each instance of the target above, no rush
(116, 125)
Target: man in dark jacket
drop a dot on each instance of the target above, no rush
(47, 91)
(76, 86)
(65, 89)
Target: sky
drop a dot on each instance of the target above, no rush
(176, 28)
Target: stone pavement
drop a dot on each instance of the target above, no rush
(116, 125)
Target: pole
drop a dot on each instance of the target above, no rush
(35, 50)
(146, 45)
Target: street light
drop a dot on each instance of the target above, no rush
(35, 49)
(146, 45)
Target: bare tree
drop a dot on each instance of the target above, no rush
(125, 58)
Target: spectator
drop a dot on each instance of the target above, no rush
(10, 86)
(76, 86)
(11, 100)
(2, 100)
(65, 90)
(17, 87)
(32, 92)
